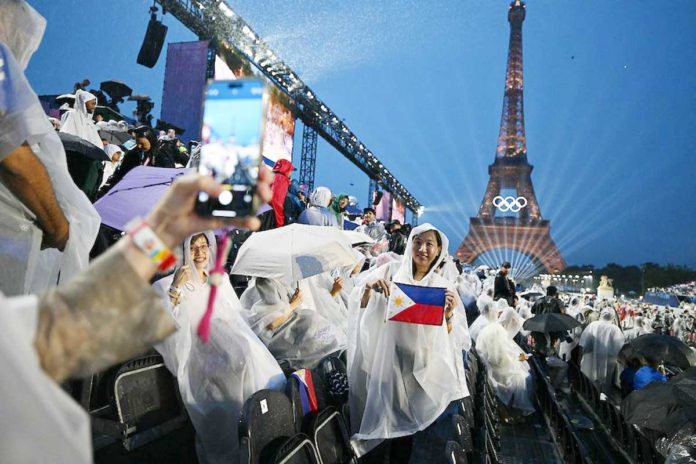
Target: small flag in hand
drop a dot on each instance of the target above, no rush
(416, 305)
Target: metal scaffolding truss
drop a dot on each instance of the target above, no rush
(309, 157)
(215, 20)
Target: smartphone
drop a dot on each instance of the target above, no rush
(234, 115)
(129, 144)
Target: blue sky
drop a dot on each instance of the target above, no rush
(610, 102)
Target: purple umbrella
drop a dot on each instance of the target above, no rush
(135, 195)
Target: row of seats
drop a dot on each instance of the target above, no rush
(138, 403)
(306, 424)
(628, 436)
(483, 412)
(572, 448)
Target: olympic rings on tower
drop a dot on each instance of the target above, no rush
(505, 204)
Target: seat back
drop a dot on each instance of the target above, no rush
(145, 393)
(334, 374)
(297, 449)
(265, 424)
(329, 433)
(307, 393)
(454, 454)
(462, 433)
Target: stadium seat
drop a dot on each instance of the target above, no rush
(462, 433)
(265, 426)
(454, 454)
(142, 403)
(297, 449)
(329, 434)
(307, 393)
(334, 374)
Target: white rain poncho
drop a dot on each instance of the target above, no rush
(349, 278)
(641, 326)
(40, 422)
(449, 270)
(317, 213)
(301, 341)
(78, 121)
(24, 268)
(488, 312)
(566, 349)
(402, 376)
(509, 376)
(601, 342)
(110, 166)
(217, 377)
(316, 295)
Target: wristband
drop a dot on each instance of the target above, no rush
(145, 239)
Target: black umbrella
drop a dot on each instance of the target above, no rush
(66, 98)
(116, 89)
(550, 322)
(662, 406)
(165, 126)
(116, 137)
(669, 350)
(688, 374)
(74, 144)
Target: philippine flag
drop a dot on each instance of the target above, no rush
(416, 305)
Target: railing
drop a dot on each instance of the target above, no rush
(569, 443)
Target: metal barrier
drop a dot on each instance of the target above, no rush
(570, 445)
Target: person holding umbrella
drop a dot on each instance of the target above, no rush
(147, 152)
(651, 372)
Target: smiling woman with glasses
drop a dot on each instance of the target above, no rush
(214, 378)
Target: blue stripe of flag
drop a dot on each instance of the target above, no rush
(432, 296)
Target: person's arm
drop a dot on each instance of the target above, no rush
(109, 312)
(295, 301)
(26, 177)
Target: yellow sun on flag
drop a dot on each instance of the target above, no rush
(398, 301)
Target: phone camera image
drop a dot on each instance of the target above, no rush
(231, 138)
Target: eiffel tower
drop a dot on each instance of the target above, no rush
(509, 216)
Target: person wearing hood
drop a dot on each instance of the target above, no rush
(405, 377)
(508, 369)
(146, 153)
(78, 120)
(281, 182)
(114, 153)
(601, 342)
(338, 208)
(297, 336)
(317, 213)
(489, 312)
(47, 224)
(217, 377)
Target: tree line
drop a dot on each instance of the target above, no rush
(635, 278)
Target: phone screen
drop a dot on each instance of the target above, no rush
(233, 121)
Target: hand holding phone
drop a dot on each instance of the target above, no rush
(231, 152)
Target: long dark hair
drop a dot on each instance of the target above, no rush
(438, 239)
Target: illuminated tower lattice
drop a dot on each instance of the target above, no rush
(509, 216)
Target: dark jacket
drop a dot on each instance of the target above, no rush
(547, 305)
(504, 288)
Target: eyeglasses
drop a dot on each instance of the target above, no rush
(195, 249)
